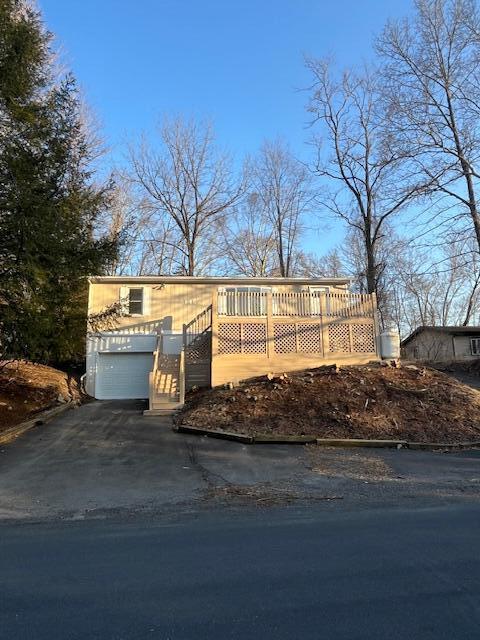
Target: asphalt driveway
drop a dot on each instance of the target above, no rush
(106, 458)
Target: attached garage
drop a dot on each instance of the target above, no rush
(123, 375)
(118, 365)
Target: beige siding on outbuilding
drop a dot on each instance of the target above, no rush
(438, 346)
(462, 348)
(430, 345)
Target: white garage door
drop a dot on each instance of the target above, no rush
(123, 375)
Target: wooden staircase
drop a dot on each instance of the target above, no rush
(167, 380)
(166, 383)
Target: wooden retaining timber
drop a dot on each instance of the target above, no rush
(40, 418)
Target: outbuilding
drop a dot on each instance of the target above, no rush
(442, 344)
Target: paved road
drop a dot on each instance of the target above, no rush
(272, 574)
(106, 458)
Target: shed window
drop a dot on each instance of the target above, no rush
(135, 302)
(475, 346)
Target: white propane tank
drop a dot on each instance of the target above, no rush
(390, 344)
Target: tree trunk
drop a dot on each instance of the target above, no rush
(191, 260)
(281, 258)
(471, 299)
(371, 267)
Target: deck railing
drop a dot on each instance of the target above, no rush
(242, 303)
(295, 304)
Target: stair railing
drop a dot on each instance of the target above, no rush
(181, 376)
(152, 376)
(200, 324)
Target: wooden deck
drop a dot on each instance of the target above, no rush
(246, 334)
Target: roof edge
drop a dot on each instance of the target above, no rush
(215, 279)
(448, 329)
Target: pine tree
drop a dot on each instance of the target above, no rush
(49, 200)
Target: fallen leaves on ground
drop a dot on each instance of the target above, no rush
(374, 402)
(27, 388)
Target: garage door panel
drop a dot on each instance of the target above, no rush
(123, 376)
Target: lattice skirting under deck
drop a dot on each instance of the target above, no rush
(295, 337)
(200, 349)
(351, 338)
(242, 337)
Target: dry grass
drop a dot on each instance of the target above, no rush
(259, 495)
(345, 463)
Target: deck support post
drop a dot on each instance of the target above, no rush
(214, 352)
(270, 329)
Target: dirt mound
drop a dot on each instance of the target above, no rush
(27, 388)
(407, 403)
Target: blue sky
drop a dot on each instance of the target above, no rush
(238, 62)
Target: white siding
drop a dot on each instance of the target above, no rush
(115, 343)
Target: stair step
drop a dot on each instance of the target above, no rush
(159, 412)
(165, 411)
(166, 395)
(166, 399)
(166, 405)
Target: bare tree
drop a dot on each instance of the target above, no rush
(366, 183)
(432, 288)
(283, 186)
(189, 183)
(310, 265)
(472, 284)
(146, 242)
(432, 83)
(249, 240)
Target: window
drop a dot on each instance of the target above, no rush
(475, 346)
(243, 301)
(135, 302)
(319, 300)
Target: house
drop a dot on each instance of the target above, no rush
(442, 344)
(176, 332)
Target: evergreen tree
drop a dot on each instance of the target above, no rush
(49, 200)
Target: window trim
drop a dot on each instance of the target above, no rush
(136, 315)
(475, 346)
